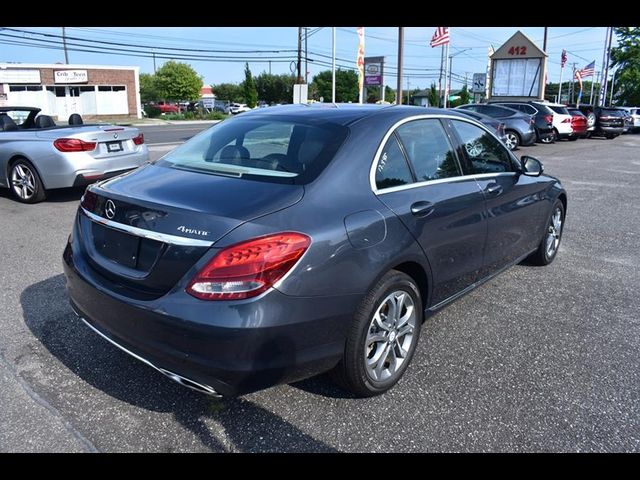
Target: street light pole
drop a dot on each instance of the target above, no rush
(399, 83)
(448, 88)
(333, 65)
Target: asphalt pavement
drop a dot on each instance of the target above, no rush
(538, 359)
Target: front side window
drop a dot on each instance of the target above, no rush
(487, 155)
(277, 149)
(429, 150)
(392, 169)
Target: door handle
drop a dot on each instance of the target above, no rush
(422, 209)
(493, 190)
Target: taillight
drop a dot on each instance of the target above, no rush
(247, 269)
(88, 200)
(548, 118)
(566, 120)
(73, 145)
(139, 139)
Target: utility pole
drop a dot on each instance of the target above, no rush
(613, 80)
(605, 75)
(593, 81)
(306, 58)
(573, 76)
(299, 80)
(408, 92)
(64, 44)
(333, 65)
(544, 44)
(154, 63)
(399, 84)
(269, 67)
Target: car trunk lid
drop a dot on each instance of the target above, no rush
(146, 229)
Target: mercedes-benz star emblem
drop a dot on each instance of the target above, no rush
(109, 209)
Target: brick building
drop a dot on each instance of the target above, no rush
(93, 91)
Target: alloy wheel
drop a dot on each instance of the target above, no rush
(390, 336)
(23, 181)
(511, 140)
(554, 232)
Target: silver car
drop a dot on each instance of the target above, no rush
(36, 155)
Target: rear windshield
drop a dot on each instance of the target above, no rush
(560, 110)
(544, 109)
(573, 111)
(281, 149)
(611, 112)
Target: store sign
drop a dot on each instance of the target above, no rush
(19, 75)
(70, 76)
(373, 71)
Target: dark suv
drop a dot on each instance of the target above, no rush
(542, 116)
(609, 121)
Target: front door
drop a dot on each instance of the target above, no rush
(419, 177)
(513, 201)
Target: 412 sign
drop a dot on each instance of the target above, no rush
(520, 50)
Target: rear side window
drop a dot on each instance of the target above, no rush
(487, 155)
(560, 110)
(494, 111)
(392, 169)
(428, 150)
(279, 149)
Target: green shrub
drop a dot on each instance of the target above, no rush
(152, 112)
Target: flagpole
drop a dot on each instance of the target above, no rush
(445, 71)
(440, 77)
(593, 78)
(560, 87)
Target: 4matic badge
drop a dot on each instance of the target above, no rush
(194, 231)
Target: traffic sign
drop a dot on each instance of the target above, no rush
(479, 83)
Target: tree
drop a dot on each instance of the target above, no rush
(433, 97)
(626, 56)
(249, 88)
(373, 94)
(465, 96)
(148, 89)
(346, 85)
(178, 81)
(275, 88)
(229, 92)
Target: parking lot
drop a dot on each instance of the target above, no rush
(538, 359)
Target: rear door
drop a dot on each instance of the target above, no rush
(419, 177)
(514, 207)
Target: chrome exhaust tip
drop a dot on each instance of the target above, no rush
(185, 382)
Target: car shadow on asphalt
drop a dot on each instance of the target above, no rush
(246, 426)
(53, 196)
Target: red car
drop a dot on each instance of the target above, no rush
(167, 107)
(579, 123)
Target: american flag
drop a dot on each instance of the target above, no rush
(587, 71)
(563, 58)
(441, 37)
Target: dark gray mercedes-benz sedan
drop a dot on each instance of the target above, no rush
(295, 240)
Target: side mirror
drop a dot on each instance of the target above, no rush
(531, 166)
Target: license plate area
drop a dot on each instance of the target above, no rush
(117, 246)
(114, 147)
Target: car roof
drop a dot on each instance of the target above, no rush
(343, 113)
(29, 109)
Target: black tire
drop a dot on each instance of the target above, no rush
(513, 138)
(30, 189)
(352, 372)
(542, 256)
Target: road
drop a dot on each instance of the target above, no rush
(538, 359)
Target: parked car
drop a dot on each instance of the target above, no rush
(294, 240)
(166, 107)
(628, 120)
(634, 112)
(542, 116)
(562, 122)
(587, 111)
(579, 123)
(495, 126)
(609, 121)
(235, 108)
(519, 127)
(37, 156)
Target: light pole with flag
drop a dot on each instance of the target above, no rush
(563, 60)
(587, 71)
(360, 63)
(440, 39)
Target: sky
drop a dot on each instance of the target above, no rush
(259, 44)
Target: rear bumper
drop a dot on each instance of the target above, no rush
(602, 130)
(529, 138)
(64, 169)
(231, 347)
